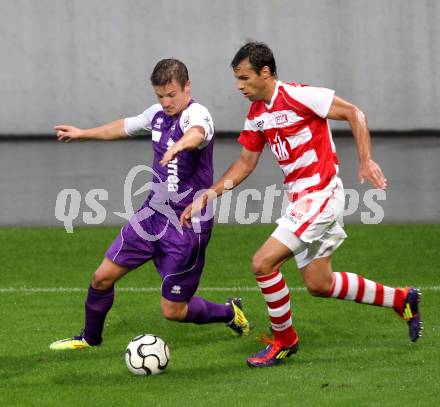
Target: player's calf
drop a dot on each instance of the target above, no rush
(405, 301)
(318, 288)
(173, 311)
(318, 277)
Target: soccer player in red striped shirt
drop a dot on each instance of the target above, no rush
(293, 120)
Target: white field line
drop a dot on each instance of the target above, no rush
(36, 290)
(5, 290)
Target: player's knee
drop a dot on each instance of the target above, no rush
(260, 266)
(102, 282)
(257, 266)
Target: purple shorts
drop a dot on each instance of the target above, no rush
(179, 257)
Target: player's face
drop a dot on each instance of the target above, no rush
(172, 97)
(252, 85)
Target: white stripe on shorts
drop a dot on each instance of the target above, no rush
(288, 239)
(120, 247)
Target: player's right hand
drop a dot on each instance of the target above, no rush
(68, 133)
(193, 208)
(185, 217)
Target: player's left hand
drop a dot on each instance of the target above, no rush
(371, 171)
(168, 156)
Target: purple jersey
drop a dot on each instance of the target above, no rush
(175, 185)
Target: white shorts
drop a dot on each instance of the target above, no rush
(313, 226)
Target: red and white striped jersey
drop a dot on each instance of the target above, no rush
(295, 127)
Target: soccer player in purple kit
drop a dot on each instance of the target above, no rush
(182, 137)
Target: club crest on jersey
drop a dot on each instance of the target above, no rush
(278, 147)
(281, 119)
(158, 123)
(260, 124)
(186, 122)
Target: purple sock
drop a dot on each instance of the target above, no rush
(98, 303)
(201, 311)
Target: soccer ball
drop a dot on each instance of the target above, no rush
(147, 355)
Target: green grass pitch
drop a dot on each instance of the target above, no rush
(350, 354)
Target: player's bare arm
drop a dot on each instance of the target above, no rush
(110, 131)
(233, 177)
(192, 138)
(237, 172)
(368, 169)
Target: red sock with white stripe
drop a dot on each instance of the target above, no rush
(277, 297)
(350, 286)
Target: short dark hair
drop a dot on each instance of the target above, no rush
(168, 69)
(259, 54)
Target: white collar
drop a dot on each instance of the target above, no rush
(275, 93)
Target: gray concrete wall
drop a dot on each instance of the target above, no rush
(34, 174)
(87, 61)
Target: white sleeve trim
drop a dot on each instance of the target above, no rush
(251, 125)
(141, 124)
(198, 115)
(317, 99)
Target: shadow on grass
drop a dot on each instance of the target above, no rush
(13, 366)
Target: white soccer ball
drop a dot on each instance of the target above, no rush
(147, 355)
